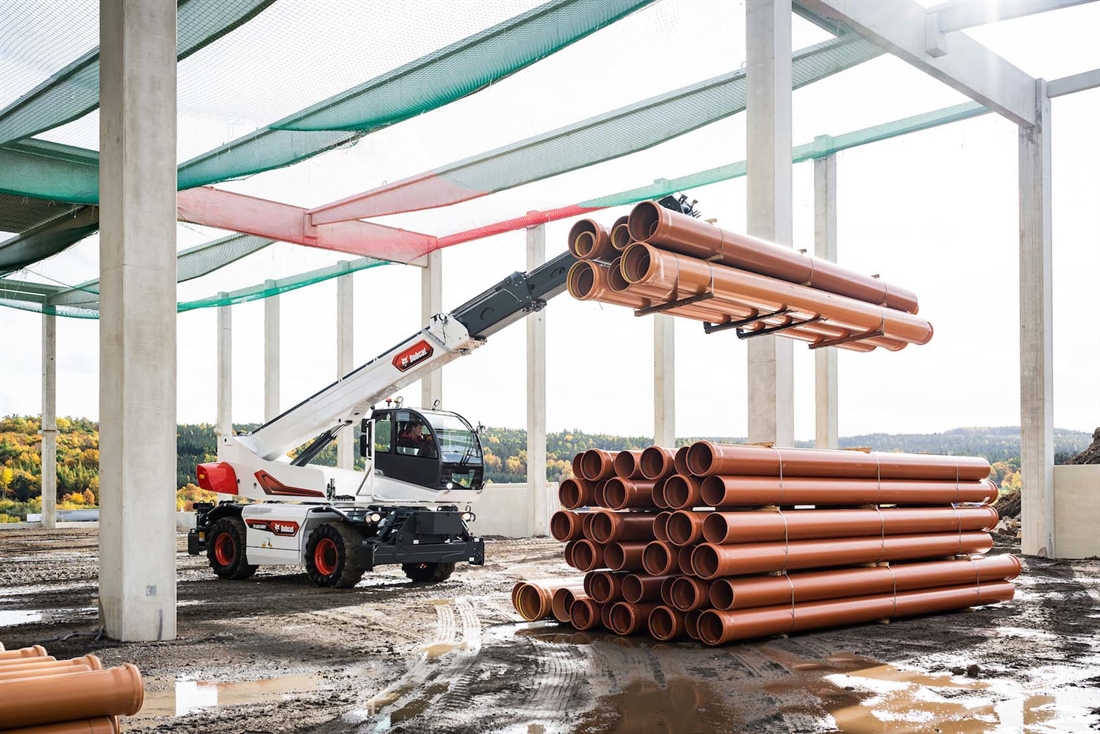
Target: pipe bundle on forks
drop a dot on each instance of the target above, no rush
(660, 260)
(730, 542)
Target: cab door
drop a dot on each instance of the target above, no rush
(397, 458)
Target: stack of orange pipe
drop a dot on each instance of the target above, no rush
(729, 542)
(662, 259)
(42, 695)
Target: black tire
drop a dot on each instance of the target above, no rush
(428, 573)
(331, 556)
(225, 548)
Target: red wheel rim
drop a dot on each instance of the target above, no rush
(324, 557)
(225, 550)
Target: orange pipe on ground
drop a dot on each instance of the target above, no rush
(734, 491)
(639, 588)
(659, 493)
(610, 526)
(682, 492)
(686, 527)
(652, 223)
(624, 556)
(706, 458)
(605, 616)
(597, 465)
(40, 672)
(691, 623)
(34, 651)
(659, 558)
(586, 525)
(567, 554)
(677, 276)
(717, 627)
(588, 556)
(683, 559)
(576, 493)
(623, 494)
(666, 623)
(666, 590)
(690, 593)
(628, 464)
(585, 613)
(534, 599)
(660, 526)
(620, 234)
(658, 463)
(679, 460)
(712, 561)
(589, 240)
(764, 591)
(50, 662)
(627, 618)
(607, 586)
(775, 525)
(598, 493)
(576, 465)
(562, 601)
(113, 692)
(565, 525)
(99, 725)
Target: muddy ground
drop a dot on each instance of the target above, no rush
(274, 654)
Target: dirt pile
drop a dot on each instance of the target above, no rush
(1090, 455)
(1008, 505)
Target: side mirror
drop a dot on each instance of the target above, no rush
(366, 444)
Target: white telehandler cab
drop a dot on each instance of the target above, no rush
(420, 465)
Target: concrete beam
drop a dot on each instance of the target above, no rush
(961, 14)
(770, 213)
(137, 327)
(826, 386)
(49, 420)
(1036, 337)
(345, 358)
(910, 32)
(431, 303)
(664, 380)
(272, 354)
(224, 426)
(536, 391)
(1074, 83)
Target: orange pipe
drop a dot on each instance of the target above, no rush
(666, 623)
(40, 672)
(576, 465)
(775, 525)
(639, 588)
(711, 561)
(50, 662)
(624, 556)
(682, 492)
(605, 615)
(597, 465)
(565, 525)
(588, 556)
(659, 493)
(660, 526)
(650, 222)
(562, 601)
(691, 623)
(678, 276)
(666, 590)
(706, 458)
(534, 599)
(99, 725)
(690, 593)
(606, 586)
(718, 627)
(622, 494)
(765, 591)
(585, 613)
(683, 559)
(628, 464)
(627, 618)
(575, 493)
(589, 240)
(740, 491)
(586, 525)
(620, 234)
(598, 493)
(34, 651)
(686, 527)
(567, 554)
(658, 463)
(659, 558)
(113, 692)
(609, 526)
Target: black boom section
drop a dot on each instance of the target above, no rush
(514, 297)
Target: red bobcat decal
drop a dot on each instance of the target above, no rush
(413, 355)
(287, 528)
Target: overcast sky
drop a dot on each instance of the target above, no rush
(935, 212)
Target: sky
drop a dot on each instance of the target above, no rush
(935, 212)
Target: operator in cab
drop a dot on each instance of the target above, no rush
(415, 440)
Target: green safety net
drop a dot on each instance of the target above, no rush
(74, 90)
(59, 225)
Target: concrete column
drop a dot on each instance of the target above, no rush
(272, 383)
(536, 391)
(345, 345)
(825, 369)
(1036, 337)
(49, 420)
(431, 303)
(664, 380)
(770, 215)
(137, 327)
(224, 426)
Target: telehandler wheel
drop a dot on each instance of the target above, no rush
(331, 557)
(428, 572)
(225, 548)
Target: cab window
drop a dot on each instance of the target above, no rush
(414, 436)
(383, 435)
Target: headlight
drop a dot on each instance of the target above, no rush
(467, 516)
(375, 517)
(450, 485)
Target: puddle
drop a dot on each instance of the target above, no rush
(185, 697)
(13, 617)
(682, 705)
